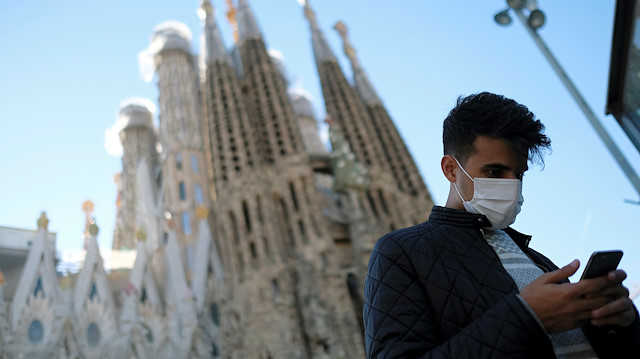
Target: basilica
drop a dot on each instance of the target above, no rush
(251, 238)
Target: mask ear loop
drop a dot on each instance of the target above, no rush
(455, 185)
(462, 168)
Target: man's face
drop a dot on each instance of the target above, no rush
(493, 158)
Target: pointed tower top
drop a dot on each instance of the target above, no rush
(87, 208)
(38, 277)
(93, 227)
(43, 221)
(321, 49)
(302, 105)
(207, 257)
(205, 8)
(178, 290)
(212, 47)
(247, 24)
(362, 83)
(92, 286)
(136, 112)
(170, 35)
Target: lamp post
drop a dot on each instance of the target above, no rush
(532, 23)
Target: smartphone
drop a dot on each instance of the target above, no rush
(601, 263)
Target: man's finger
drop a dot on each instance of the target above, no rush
(616, 291)
(619, 312)
(561, 274)
(617, 275)
(588, 287)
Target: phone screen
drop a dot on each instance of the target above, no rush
(601, 263)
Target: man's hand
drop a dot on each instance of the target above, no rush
(619, 309)
(565, 306)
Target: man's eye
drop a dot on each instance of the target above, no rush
(494, 173)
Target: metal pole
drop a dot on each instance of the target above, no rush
(602, 132)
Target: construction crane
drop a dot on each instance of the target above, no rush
(231, 16)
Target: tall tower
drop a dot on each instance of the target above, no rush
(383, 200)
(277, 250)
(266, 93)
(230, 138)
(183, 168)
(244, 221)
(342, 103)
(396, 153)
(138, 140)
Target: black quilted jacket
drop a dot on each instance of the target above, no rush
(438, 290)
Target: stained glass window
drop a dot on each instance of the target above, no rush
(36, 331)
(93, 334)
(94, 291)
(38, 289)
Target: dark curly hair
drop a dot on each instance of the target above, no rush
(494, 116)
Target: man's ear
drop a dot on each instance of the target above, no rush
(448, 165)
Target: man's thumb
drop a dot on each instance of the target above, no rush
(563, 273)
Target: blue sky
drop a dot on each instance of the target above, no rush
(66, 67)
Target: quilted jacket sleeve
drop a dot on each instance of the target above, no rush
(611, 342)
(400, 320)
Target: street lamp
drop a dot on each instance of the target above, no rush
(516, 4)
(536, 19)
(532, 23)
(503, 17)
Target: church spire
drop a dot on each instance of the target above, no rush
(321, 49)
(212, 45)
(362, 83)
(247, 24)
(342, 102)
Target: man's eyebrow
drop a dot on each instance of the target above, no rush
(500, 166)
(496, 166)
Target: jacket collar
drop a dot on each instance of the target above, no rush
(462, 218)
(458, 217)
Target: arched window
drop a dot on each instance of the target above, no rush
(38, 289)
(194, 164)
(94, 291)
(247, 219)
(182, 190)
(215, 313)
(198, 194)
(93, 335)
(179, 161)
(186, 223)
(36, 331)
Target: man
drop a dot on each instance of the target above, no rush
(465, 285)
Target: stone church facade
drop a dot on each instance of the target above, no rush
(252, 238)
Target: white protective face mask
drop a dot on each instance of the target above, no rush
(499, 199)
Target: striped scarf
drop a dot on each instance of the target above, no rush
(571, 344)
